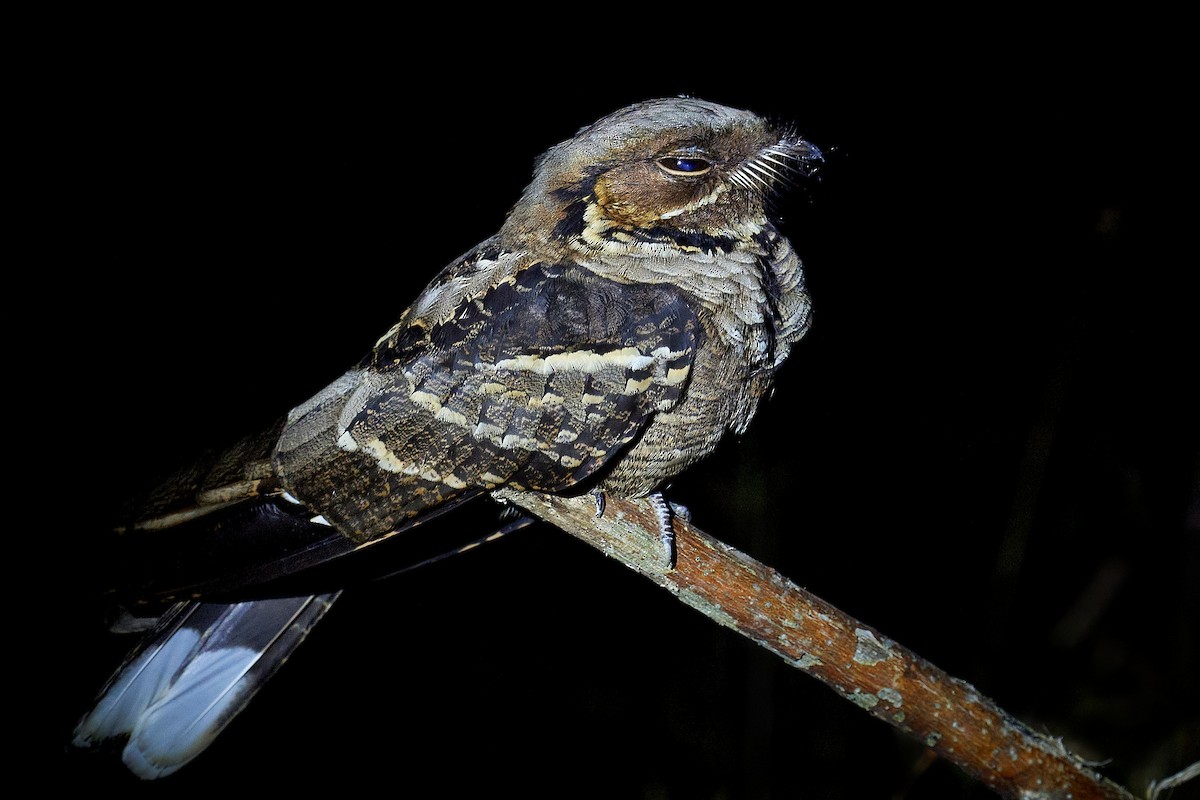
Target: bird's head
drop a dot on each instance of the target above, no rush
(676, 171)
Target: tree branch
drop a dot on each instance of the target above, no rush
(873, 672)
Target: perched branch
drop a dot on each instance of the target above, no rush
(1188, 773)
(871, 671)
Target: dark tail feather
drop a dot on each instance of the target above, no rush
(191, 677)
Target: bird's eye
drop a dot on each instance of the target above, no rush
(684, 165)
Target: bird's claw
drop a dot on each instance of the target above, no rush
(666, 528)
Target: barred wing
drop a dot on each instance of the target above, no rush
(534, 383)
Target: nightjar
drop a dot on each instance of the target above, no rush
(631, 311)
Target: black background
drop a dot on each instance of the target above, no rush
(986, 448)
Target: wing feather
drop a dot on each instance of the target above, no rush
(535, 380)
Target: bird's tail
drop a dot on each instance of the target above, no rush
(193, 673)
(266, 567)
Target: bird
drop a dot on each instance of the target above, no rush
(632, 310)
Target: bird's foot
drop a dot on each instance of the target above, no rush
(666, 528)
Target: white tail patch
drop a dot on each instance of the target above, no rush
(171, 701)
(177, 694)
(143, 681)
(184, 720)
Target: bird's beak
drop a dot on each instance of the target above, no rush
(778, 165)
(805, 157)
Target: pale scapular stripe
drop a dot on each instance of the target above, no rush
(579, 361)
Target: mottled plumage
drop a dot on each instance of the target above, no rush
(632, 310)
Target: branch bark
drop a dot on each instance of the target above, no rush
(871, 671)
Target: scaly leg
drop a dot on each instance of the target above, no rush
(666, 530)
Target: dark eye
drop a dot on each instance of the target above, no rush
(684, 165)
